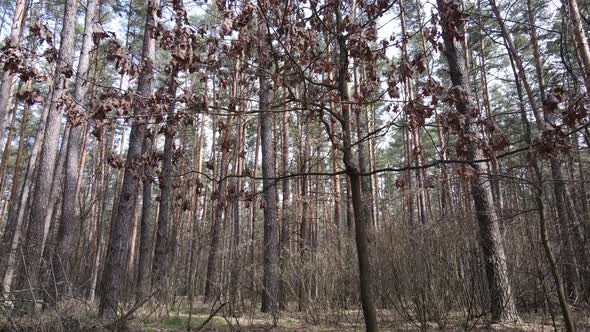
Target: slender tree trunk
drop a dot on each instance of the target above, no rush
(253, 188)
(304, 158)
(237, 241)
(100, 241)
(286, 211)
(194, 233)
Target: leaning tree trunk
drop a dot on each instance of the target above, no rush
(501, 297)
(114, 274)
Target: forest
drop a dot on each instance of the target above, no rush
(294, 165)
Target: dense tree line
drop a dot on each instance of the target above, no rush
(419, 162)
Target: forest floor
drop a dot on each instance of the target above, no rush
(351, 320)
(79, 316)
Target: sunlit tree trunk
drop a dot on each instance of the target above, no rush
(67, 240)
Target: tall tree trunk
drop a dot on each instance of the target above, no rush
(164, 240)
(50, 228)
(18, 207)
(304, 161)
(361, 215)
(48, 155)
(558, 186)
(146, 244)
(271, 278)
(362, 132)
(253, 188)
(538, 198)
(502, 301)
(196, 226)
(11, 226)
(286, 209)
(211, 286)
(100, 223)
(234, 293)
(68, 229)
(114, 274)
(409, 193)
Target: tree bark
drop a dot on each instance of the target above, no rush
(9, 78)
(213, 279)
(502, 304)
(558, 186)
(361, 215)
(49, 148)
(146, 246)
(114, 274)
(68, 229)
(196, 226)
(580, 41)
(286, 209)
(165, 224)
(270, 294)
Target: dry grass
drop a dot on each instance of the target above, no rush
(75, 315)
